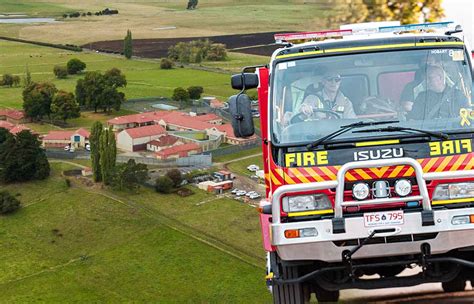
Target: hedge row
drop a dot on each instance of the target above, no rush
(69, 47)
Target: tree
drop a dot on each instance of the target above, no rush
(8, 203)
(7, 80)
(98, 90)
(4, 134)
(195, 92)
(129, 176)
(108, 154)
(164, 184)
(166, 64)
(378, 10)
(180, 94)
(217, 52)
(192, 4)
(175, 176)
(27, 78)
(16, 80)
(60, 72)
(94, 141)
(127, 45)
(432, 10)
(75, 66)
(64, 106)
(22, 158)
(37, 99)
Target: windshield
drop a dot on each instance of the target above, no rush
(425, 89)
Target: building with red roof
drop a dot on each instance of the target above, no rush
(183, 150)
(13, 116)
(6, 125)
(135, 120)
(76, 139)
(136, 139)
(162, 143)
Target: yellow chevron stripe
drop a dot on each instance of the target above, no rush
(275, 180)
(288, 179)
(298, 175)
(328, 172)
(444, 163)
(453, 201)
(470, 164)
(430, 164)
(395, 171)
(314, 175)
(327, 211)
(459, 162)
(409, 172)
(379, 172)
(350, 177)
(362, 174)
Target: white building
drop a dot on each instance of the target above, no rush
(136, 139)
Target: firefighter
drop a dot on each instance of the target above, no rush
(327, 97)
(441, 100)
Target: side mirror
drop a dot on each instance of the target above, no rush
(245, 80)
(241, 111)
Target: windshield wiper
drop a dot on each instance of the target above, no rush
(405, 129)
(347, 128)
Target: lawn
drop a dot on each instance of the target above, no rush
(240, 167)
(230, 157)
(164, 19)
(144, 77)
(78, 245)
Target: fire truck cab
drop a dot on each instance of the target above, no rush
(367, 137)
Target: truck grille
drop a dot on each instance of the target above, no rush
(388, 239)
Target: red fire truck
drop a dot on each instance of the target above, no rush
(367, 136)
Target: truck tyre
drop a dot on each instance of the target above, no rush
(325, 296)
(458, 284)
(290, 293)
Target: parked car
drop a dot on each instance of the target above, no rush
(234, 191)
(72, 149)
(250, 193)
(88, 147)
(254, 196)
(66, 148)
(241, 193)
(253, 168)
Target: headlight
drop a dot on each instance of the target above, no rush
(453, 191)
(306, 203)
(360, 191)
(402, 187)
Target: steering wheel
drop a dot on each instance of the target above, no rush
(299, 117)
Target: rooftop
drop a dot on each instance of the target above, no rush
(145, 131)
(177, 149)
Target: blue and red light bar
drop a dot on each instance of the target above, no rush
(287, 37)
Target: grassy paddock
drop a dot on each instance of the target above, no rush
(230, 157)
(240, 167)
(145, 18)
(144, 77)
(68, 244)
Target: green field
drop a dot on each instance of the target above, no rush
(144, 77)
(230, 157)
(240, 167)
(145, 18)
(84, 245)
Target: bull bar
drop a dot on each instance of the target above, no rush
(338, 222)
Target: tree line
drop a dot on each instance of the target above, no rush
(405, 11)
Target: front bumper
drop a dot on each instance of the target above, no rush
(323, 247)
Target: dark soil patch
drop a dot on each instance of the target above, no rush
(183, 192)
(256, 44)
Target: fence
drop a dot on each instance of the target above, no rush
(234, 149)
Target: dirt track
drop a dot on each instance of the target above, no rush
(256, 44)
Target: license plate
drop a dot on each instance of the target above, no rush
(384, 218)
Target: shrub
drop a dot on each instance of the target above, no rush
(67, 181)
(164, 184)
(7, 80)
(195, 92)
(217, 52)
(176, 176)
(8, 203)
(180, 94)
(166, 64)
(60, 72)
(75, 66)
